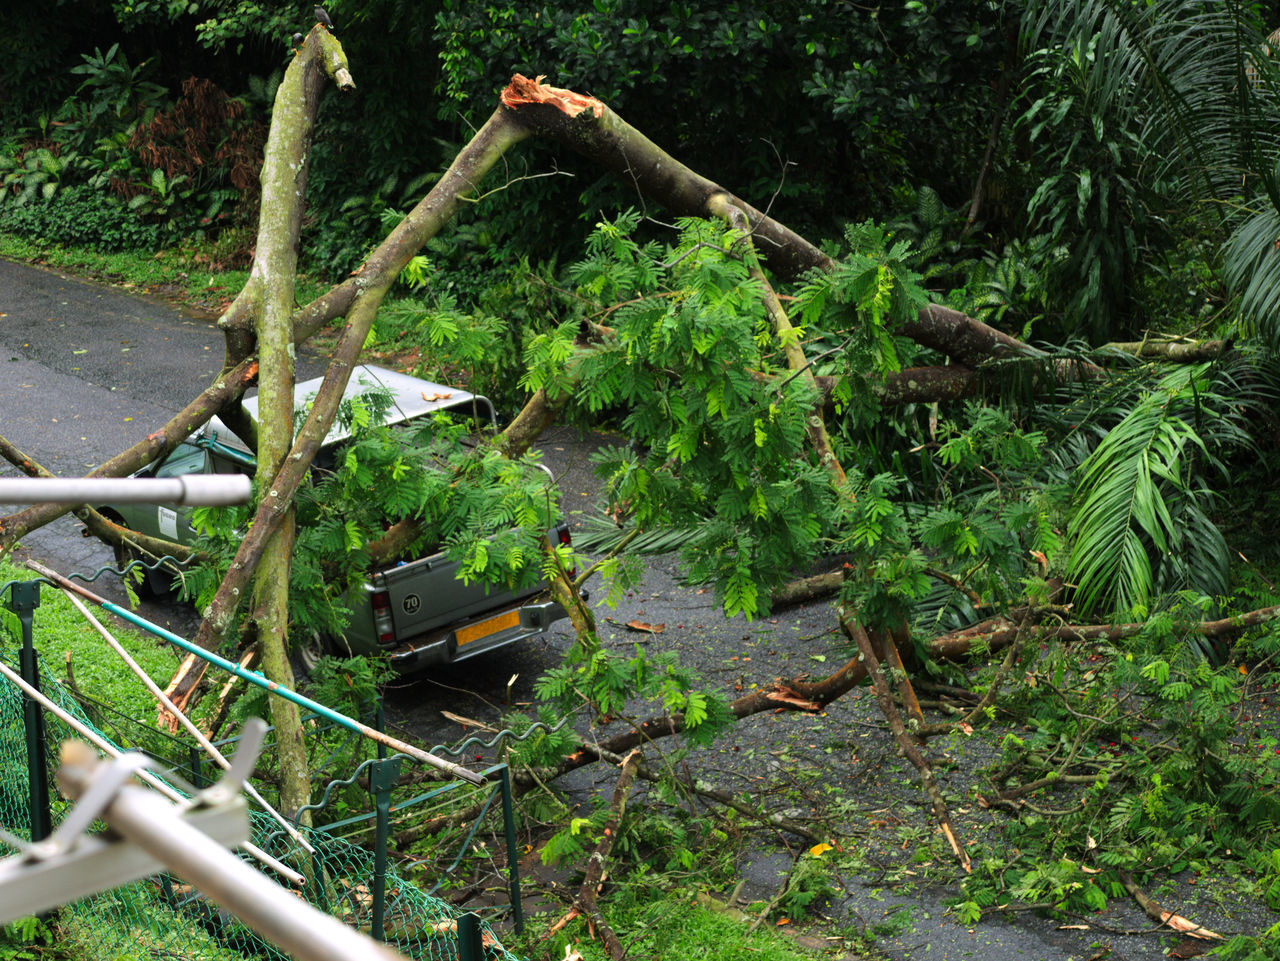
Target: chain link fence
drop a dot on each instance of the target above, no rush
(162, 917)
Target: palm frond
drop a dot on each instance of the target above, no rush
(1142, 527)
(1251, 264)
(1192, 76)
(599, 535)
(1202, 84)
(942, 609)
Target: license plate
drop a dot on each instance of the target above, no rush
(493, 625)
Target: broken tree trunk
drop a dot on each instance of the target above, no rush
(587, 126)
(270, 292)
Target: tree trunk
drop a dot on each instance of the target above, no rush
(1173, 351)
(271, 286)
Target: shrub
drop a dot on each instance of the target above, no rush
(208, 140)
(82, 216)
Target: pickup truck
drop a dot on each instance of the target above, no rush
(417, 613)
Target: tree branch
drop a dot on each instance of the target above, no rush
(997, 120)
(1173, 351)
(584, 904)
(587, 126)
(906, 744)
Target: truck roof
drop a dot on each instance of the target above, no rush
(411, 397)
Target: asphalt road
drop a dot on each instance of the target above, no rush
(86, 370)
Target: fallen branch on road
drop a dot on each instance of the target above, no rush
(1158, 914)
(584, 904)
(907, 745)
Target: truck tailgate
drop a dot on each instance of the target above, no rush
(426, 594)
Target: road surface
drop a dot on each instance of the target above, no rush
(85, 372)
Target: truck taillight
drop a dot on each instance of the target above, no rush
(381, 602)
(566, 540)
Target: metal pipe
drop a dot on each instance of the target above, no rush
(301, 931)
(253, 677)
(191, 729)
(206, 490)
(106, 747)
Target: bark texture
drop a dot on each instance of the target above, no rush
(275, 265)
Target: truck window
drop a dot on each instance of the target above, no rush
(186, 459)
(225, 465)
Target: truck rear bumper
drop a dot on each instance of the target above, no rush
(480, 635)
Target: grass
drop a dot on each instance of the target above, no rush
(672, 927)
(62, 636)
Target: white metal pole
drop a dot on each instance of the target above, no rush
(154, 825)
(209, 490)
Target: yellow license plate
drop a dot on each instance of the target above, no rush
(493, 625)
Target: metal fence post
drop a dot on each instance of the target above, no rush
(513, 858)
(470, 943)
(319, 881)
(24, 598)
(197, 767)
(383, 776)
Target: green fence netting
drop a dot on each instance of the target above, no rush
(163, 917)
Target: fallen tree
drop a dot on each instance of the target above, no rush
(789, 402)
(523, 113)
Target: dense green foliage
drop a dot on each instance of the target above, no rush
(770, 100)
(486, 511)
(80, 216)
(1170, 776)
(28, 939)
